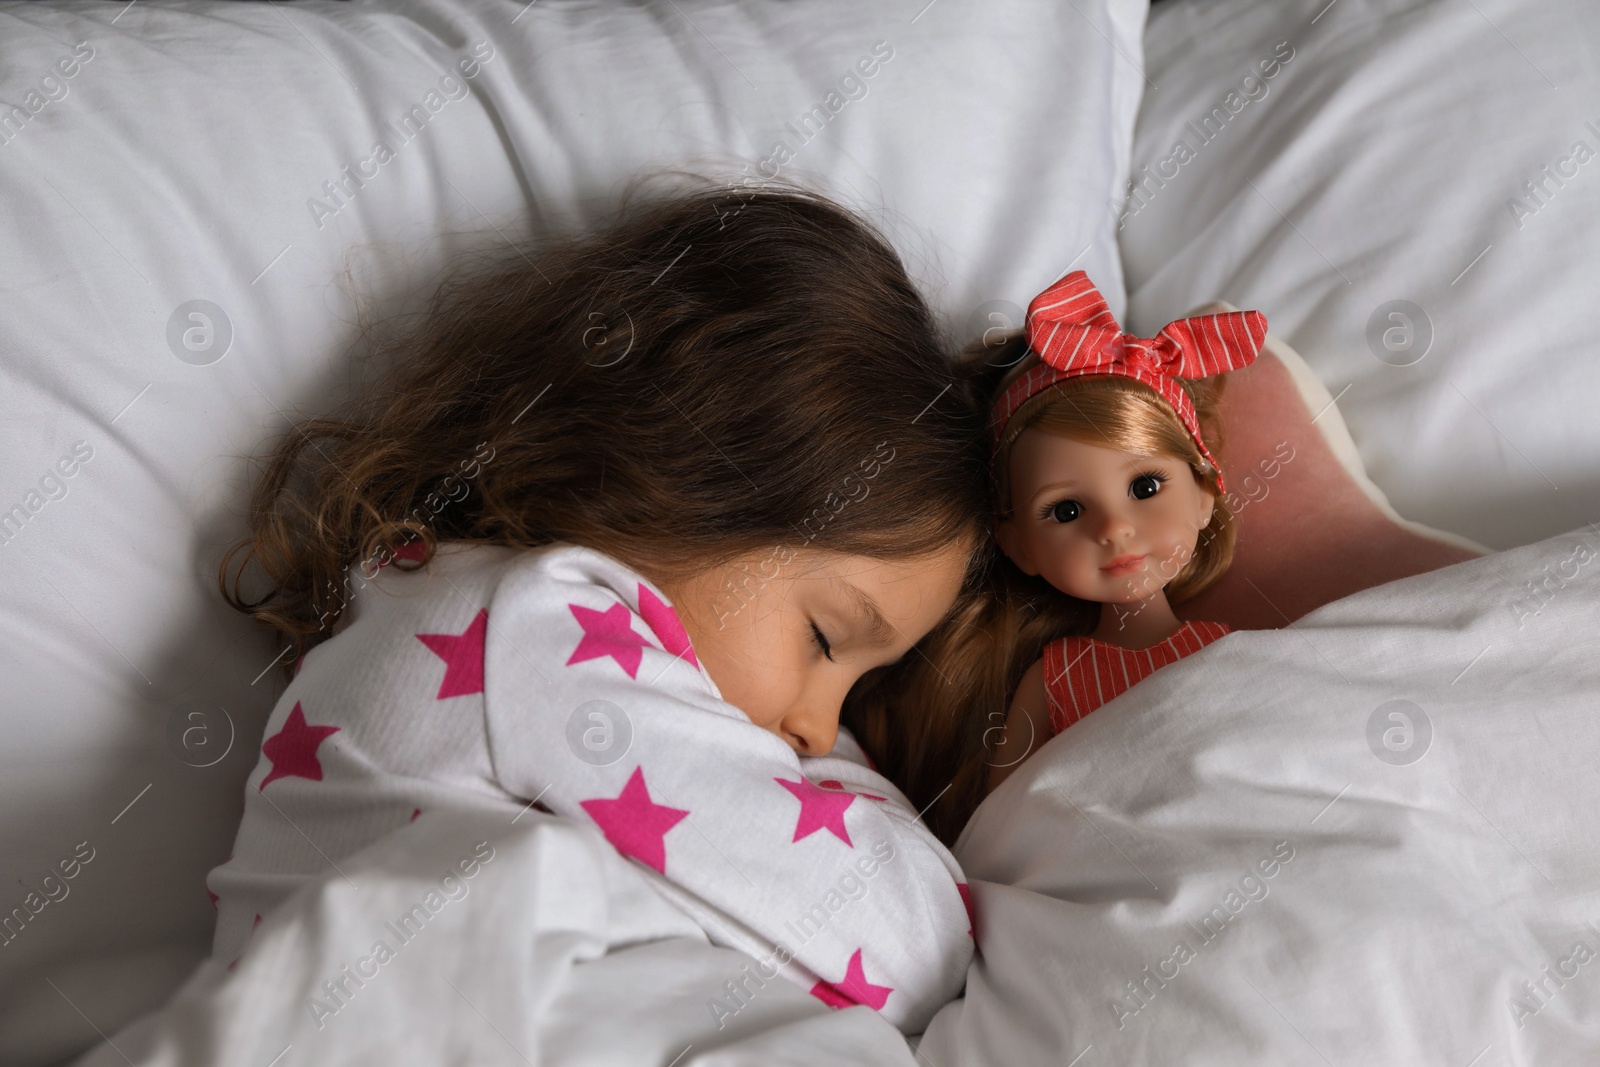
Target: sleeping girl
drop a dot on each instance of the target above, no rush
(1109, 508)
(704, 471)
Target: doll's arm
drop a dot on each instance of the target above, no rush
(1027, 727)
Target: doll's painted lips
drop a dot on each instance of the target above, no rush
(1123, 565)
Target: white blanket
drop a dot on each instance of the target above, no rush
(1363, 839)
(554, 950)
(1367, 838)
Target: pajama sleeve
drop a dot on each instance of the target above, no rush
(817, 867)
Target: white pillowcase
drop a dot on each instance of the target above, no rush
(228, 154)
(1375, 151)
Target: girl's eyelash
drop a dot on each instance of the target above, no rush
(822, 642)
(1157, 476)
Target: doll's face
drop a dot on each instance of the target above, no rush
(1078, 507)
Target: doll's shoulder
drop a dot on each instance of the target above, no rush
(1205, 632)
(1062, 651)
(1032, 684)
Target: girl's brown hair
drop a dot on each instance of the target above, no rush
(962, 682)
(714, 373)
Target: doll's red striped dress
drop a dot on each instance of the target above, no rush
(1081, 673)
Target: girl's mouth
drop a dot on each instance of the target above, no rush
(1123, 565)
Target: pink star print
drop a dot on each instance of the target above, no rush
(607, 633)
(293, 749)
(463, 657)
(853, 989)
(820, 809)
(664, 621)
(634, 824)
(834, 783)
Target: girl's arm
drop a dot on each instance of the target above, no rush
(818, 868)
(1027, 726)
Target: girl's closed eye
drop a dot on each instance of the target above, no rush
(822, 641)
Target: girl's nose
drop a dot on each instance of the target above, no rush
(812, 732)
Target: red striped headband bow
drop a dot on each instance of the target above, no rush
(1075, 334)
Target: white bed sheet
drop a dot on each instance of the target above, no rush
(169, 152)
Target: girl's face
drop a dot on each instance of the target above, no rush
(785, 639)
(1078, 509)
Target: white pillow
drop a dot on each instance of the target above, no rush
(170, 253)
(1375, 151)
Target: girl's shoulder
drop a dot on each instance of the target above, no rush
(403, 574)
(567, 562)
(558, 562)
(544, 595)
(471, 572)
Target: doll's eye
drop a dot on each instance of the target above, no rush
(1062, 511)
(1146, 485)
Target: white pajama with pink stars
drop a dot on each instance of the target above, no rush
(493, 677)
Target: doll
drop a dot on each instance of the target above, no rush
(1106, 490)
